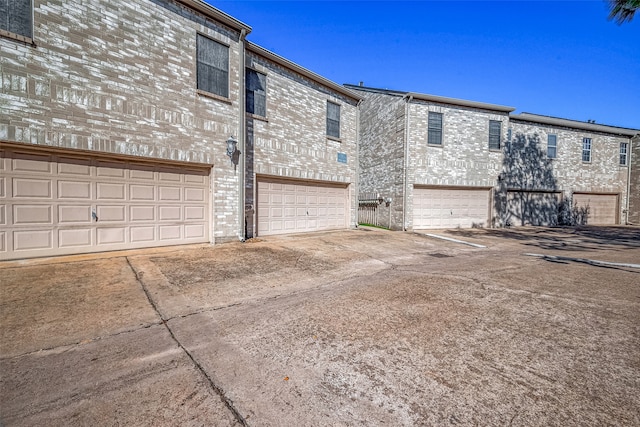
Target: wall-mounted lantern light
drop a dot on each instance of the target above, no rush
(232, 146)
(388, 201)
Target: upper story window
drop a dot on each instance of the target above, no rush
(495, 130)
(435, 128)
(624, 150)
(586, 149)
(16, 19)
(333, 120)
(256, 93)
(552, 146)
(213, 66)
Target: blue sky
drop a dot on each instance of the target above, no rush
(561, 58)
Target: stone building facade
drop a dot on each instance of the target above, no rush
(634, 182)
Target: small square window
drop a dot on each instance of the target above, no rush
(213, 66)
(624, 151)
(333, 120)
(552, 146)
(256, 93)
(435, 128)
(586, 149)
(16, 18)
(495, 131)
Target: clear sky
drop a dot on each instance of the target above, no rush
(561, 58)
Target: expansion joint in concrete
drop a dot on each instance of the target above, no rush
(217, 389)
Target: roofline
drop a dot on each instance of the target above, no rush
(461, 102)
(252, 47)
(217, 14)
(548, 120)
(435, 98)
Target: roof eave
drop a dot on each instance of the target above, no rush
(460, 102)
(554, 121)
(217, 15)
(252, 47)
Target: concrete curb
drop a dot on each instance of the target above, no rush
(475, 245)
(584, 260)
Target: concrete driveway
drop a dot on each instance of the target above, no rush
(363, 327)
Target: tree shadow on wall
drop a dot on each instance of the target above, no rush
(528, 191)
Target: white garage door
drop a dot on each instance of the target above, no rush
(56, 205)
(450, 207)
(533, 208)
(600, 209)
(296, 207)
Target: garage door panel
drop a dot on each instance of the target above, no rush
(3, 187)
(74, 167)
(112, 213)
(32, 163)
(24, 240)
(533, 208)
(32, 214)
(49, 207)
(74, 214)
(32, 188)
(142, 192)
(143, 234)
(3, 242)
(294, 207)
(107, 191)
(75, 238)
(169, 213)
(450, 207)
(601, 209)
(111, 236)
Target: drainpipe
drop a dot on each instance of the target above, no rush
(405, 167)
(242, 141)
(357, 178)
(629, 161)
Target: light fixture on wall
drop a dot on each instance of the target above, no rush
(232, 146)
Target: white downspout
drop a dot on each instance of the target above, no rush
(629, 162)
(405, 167)
(242, 141)
(357, 178)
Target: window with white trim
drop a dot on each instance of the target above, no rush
(624, 151)
(586, 149)
(213, 66)
(333, 120)
(256, 93)
(434, 136)
(552, 146)
(495, 131)
(16, 18)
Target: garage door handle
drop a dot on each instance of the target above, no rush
(94, 216)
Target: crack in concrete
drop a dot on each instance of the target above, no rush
(217, 389)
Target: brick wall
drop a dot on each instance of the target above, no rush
(634, 184)
(291, 141)
(568, 173)
(119, 77)
(382, 125)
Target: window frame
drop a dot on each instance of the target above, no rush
(554, 146)
(493, 135)
(329, 129)
(8, 33)
(587, 150)
(207, 90)
(432, 131)
(624, 162)
(252, 93)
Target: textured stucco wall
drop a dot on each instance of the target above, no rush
(119, 77)
(291, 141)
(569, 173)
